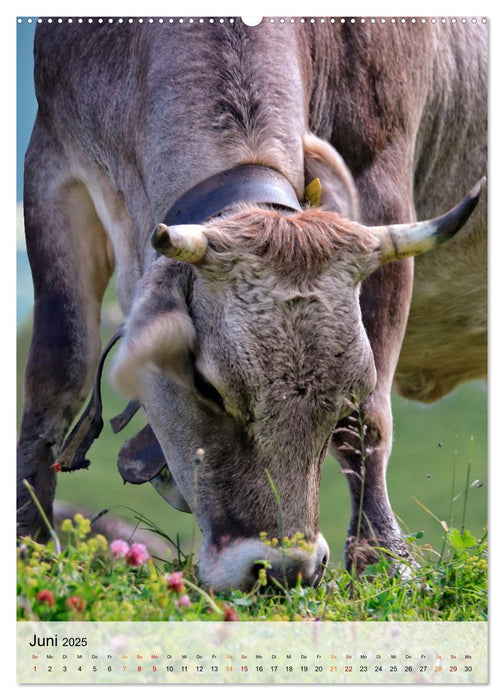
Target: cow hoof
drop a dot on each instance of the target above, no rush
(366, 552)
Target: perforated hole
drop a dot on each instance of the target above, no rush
(251, 21)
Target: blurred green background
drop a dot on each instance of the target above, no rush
(419, 467)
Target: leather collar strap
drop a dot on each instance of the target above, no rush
(256, 184)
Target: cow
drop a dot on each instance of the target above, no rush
(260, 331)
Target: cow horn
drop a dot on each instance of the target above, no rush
(186, 242)
(404, 240)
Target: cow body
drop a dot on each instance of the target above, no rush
(392, 119)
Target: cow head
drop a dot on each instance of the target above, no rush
(246, 340)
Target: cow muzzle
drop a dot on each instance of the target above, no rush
(237, 565)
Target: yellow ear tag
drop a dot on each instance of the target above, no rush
(313, 193)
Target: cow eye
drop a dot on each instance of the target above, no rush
(207, 391)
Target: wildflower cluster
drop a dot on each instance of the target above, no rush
(91, 579)
(175, 584)
(48, 588)
(134, 555)
(296, 541)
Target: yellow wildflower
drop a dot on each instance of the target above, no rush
(67, 525)
(102, 542)
(83, 524)
(261, 577)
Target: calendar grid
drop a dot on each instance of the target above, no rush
(252, 652)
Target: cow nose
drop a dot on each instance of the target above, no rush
(291, 568)
(238, 564)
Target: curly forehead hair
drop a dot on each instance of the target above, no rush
(305, 241)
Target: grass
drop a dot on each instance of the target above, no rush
(80, 579)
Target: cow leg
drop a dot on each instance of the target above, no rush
(362, 442)
(71, 265)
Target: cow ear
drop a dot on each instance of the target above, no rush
(159, 334)
(338, 191)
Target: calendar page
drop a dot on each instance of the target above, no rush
(252, 343)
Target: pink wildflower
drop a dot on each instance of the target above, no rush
(119, 548)
(183, 602)
(76, 603)
(230, 614)
(137, 555)
(46, 596)
(174, 582)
